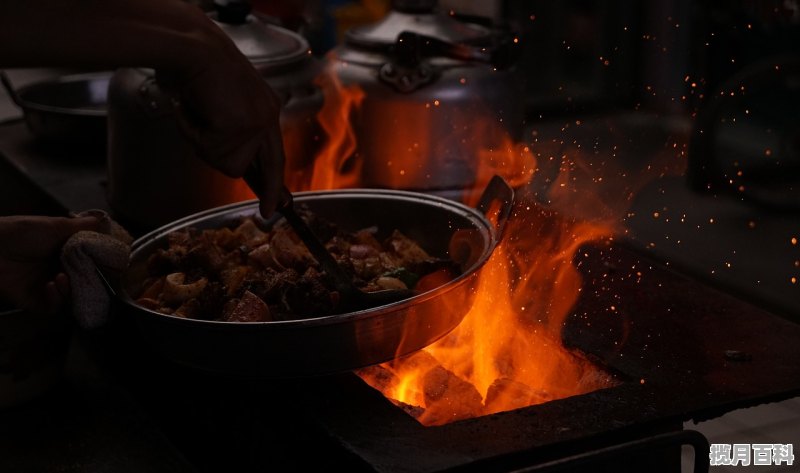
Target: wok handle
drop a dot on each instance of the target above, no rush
(12, 92)
(498, 191)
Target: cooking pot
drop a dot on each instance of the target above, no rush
(333, 343)
(67, 110)
(438, 92)
(154, 174)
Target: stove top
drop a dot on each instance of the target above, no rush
(682, 350)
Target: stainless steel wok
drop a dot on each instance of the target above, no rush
(333, 343)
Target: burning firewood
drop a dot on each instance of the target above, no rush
(449, 398)
(506, 393)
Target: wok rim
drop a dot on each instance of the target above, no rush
(396, 307)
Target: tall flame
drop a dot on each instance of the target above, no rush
(507, 352)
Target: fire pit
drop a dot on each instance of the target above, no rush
(677, 350)
(682, 350)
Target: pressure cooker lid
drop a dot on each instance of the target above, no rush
(266, 45)
(418, 17)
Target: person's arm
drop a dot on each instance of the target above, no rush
(227, 109)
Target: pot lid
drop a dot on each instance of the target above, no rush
(422, 22)
(265, 45)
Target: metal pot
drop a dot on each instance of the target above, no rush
(338, 342)
(437, 93)
(68, 110)
(154, 174)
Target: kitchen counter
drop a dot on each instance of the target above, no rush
(75, 178)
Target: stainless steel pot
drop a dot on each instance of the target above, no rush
(438, 92)
(154, 174)
(68, 110)
(339, 342)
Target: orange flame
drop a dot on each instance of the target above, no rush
(507, 352)
(334, 165)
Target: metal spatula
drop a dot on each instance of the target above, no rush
(352, 298)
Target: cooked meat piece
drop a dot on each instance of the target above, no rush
(205, 255)
(176, 290)
(165, 261)
(190, 309)
(153, 287)
(289, 251)
(309, 297)
(263, 256)
(363, 251)
(249, 234)
(406, 249)
(148, 303)
(366, 236)
(243, 272)
(387, 282)
(224, 238)
(212, 300)
(233, 278)
(271, 285)
(249, 309)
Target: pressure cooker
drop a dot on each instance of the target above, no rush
(438, 94)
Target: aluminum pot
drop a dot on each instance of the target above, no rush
(67, 110)
(437, 92)
(332, 343)
(155, 176)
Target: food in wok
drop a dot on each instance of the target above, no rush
(246, 273)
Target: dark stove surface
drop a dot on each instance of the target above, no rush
(685, 350)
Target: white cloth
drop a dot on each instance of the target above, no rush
(84, 256)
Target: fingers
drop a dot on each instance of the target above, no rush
(232, 118)
(53, 300)
(92, 223)
(62, 284)
(56, 293)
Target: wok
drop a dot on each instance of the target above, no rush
(66, 110)
(333, 343)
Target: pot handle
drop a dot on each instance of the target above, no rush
(10, 89)
(497, 191)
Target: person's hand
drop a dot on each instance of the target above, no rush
(225, 106)
(231, 116)
(30, 275)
